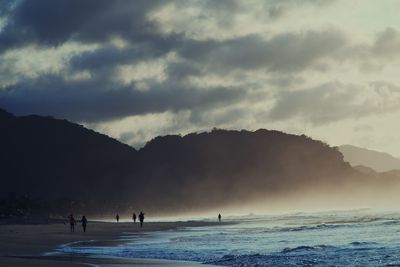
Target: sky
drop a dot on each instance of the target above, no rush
(137, 69)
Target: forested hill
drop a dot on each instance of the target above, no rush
(56, 159)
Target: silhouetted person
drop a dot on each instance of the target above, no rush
(219, 217)
(134, 217)
(71, 222)
(84, 223)
(117, 217)
(141, 218)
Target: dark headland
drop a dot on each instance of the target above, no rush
(51, 167)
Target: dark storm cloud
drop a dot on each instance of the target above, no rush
(283, 53)
(94, 100)
(49, 22)
(5, 7)
(98, 101)
(109, 57)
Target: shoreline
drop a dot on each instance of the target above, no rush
(75, 261)
(26, 245)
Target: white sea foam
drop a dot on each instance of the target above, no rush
(340, 238)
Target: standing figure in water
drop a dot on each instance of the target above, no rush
(84, 223)
(219, 217)
(141, 218)
(71, 222)
(134, 217)
(117, 217)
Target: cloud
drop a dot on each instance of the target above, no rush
(32, 62)
(287, 52)
(99, 100)
(374, 56)
(387, 44)
(363, 128)
(221, 20)
(109, 57)
(335, 101)
(52, 23)
(286, 81)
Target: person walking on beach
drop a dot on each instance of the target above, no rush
(71, 222)
(84, 223)
(219, 217)
(134, 217)
(117, 217)
(141, 218)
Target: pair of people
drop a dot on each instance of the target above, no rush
(141, 218)
(72, 222)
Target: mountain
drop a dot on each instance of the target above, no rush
(366, 170)
(379, 161)
(57, 166)
(56, 158)
(227, 167)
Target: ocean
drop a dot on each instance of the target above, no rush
(335, 238)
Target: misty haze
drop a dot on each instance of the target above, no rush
(199, 133)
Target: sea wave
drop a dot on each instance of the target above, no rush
(303, 228)
(307, 248)
(339, 239)
(362, 243)
(319, 255)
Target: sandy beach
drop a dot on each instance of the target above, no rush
(24, 245)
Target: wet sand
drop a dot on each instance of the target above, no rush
(24, 245)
